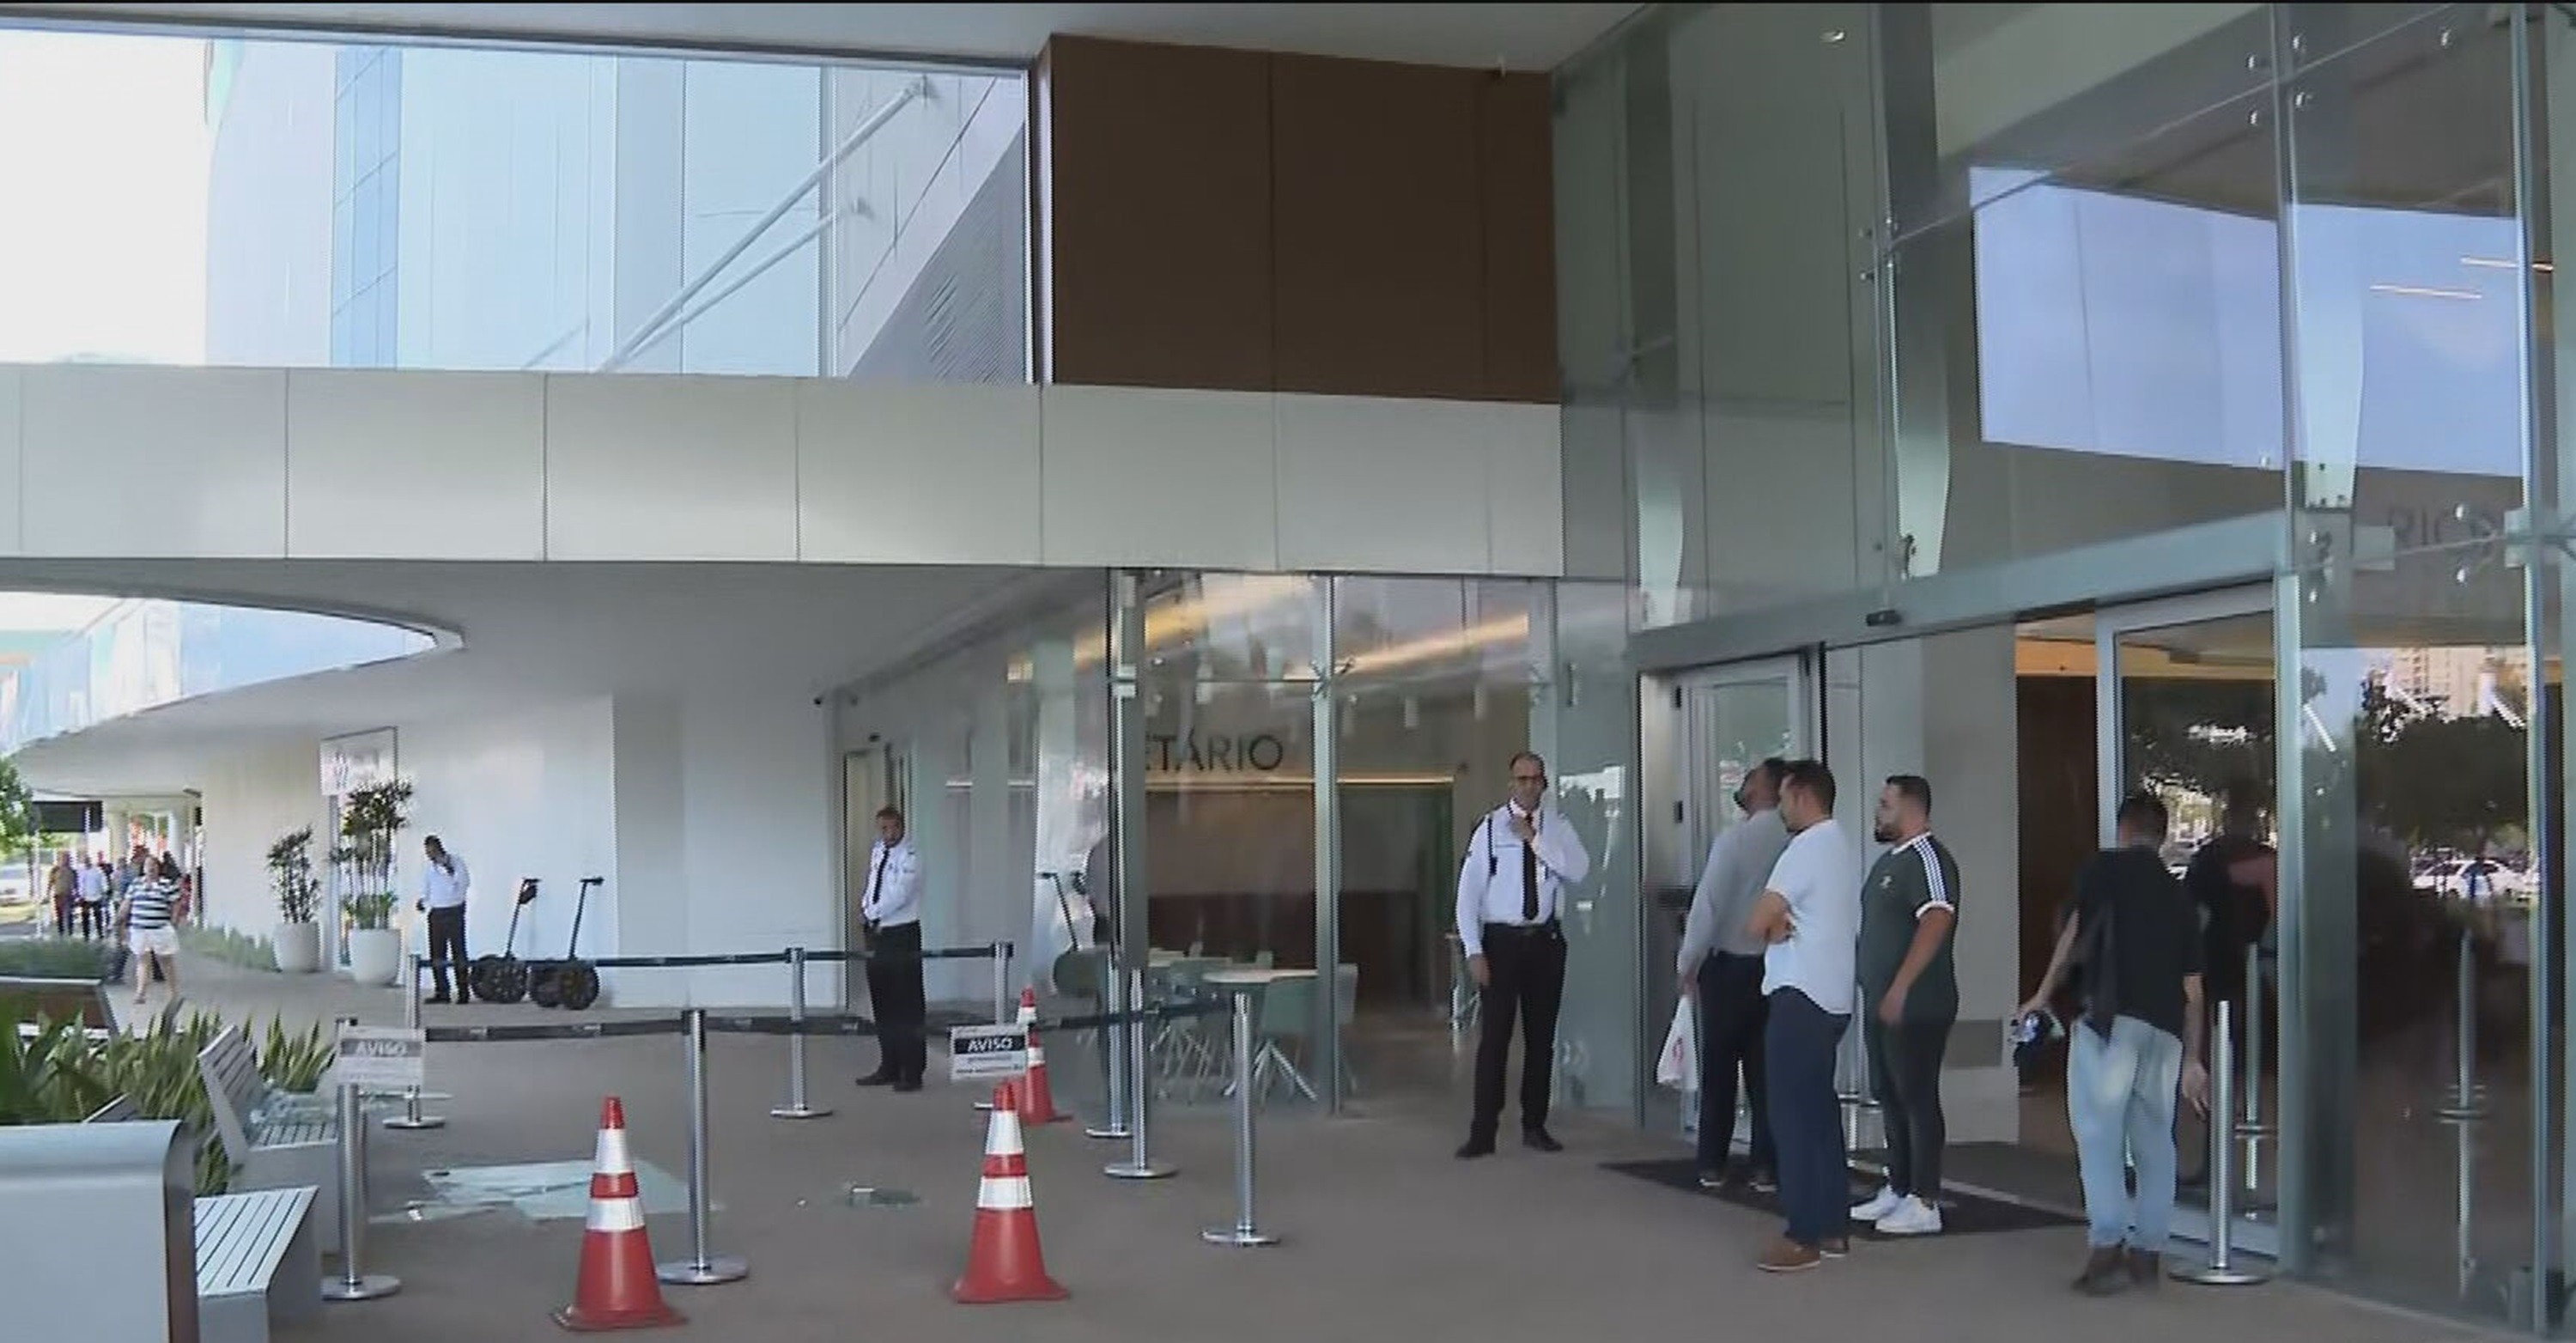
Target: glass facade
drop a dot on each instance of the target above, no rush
(2006, 324)
(375, 205)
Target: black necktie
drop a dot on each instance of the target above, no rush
(1529, 876)
(876, 882)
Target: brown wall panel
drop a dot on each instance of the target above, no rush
(1379, 228)
(1158, 235)
(1516, 126)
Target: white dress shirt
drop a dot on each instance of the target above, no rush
(1489, 881)
(892, 896)
(1819, 875)
(1739, 863)
(93, 886)
(445, 887)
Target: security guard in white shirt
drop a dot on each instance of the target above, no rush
(891, 907)
(1511, 895)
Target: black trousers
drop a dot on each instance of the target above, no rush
(895, 998)
(1732, 1014)
(1905, 1076)
(93, 919)
(447, 945)
(1526, 980)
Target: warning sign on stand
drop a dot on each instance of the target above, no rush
(380, 1058)
(976, 1053)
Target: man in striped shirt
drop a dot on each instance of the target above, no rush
(1910, 991)
(151, 908)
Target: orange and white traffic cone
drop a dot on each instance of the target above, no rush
(617, 1289)
(1004, 1263)
(1037, 1098)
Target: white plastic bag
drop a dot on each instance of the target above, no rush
(1678, 1066)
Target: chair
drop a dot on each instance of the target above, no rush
(1284, 1009)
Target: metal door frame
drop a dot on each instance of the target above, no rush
(2110, 735)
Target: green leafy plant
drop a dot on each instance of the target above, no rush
(45, 1073)
(157, 1073)
(295, 1063)
(290, 875)
(370, 822)
(54, 958)
(232, 948)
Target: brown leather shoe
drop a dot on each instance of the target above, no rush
(2146, 1268)
(1788, 1256)
(2106, 1273)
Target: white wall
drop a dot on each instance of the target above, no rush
(257, 463)
(521, 795)
(251, 799)
(757, 830)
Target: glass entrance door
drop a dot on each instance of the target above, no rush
(1726, 720)
(2185, 691)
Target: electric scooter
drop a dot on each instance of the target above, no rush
(571, 982)
(504, 978)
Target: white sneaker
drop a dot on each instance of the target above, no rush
(1886, 1202)
(1911, 1217)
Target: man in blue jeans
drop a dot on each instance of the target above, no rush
(1809, 918)
(2136, 1046)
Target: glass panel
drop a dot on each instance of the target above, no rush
(533, 208)
(1717, 213)
(2094, 353)
(1584, 720)
(2409, 296)
(1436, 695)
(2196, 729)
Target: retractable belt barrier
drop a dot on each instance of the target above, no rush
(989, 951)
(781, 1024)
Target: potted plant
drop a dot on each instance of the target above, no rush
(371, 822)
(298, 940)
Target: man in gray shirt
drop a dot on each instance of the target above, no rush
(1721, 966)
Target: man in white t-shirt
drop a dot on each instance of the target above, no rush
(1809, 914)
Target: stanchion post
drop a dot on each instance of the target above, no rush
(354, 1282)
(797, 1106)
(1113, 1043)
(1003, 1007)
(411, 1120)
(2250, 1129)
(2222, 1270)
(2465, 1103)
(1245, 1233)
(1140, 1163)
(700, 1269)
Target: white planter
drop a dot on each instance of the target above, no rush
(298, 947)
(375, 955)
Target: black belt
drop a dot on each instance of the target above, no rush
(1550, 928)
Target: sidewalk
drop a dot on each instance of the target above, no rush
(1388, 1237)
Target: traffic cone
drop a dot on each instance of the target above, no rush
(1037, 1099)
(1005, 1263)
(1028, 1007)
(617, 1289)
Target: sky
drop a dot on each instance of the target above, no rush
(103, 150)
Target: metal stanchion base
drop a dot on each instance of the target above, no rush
(799, 1111)
(409, 1124)
(703, 1273)
(369, 1287)
(1129, 1170)
(2212, 1275)
(1110, 1132)
(1238, 1237)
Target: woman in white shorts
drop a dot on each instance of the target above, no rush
(151, 910)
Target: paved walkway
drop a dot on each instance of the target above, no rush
(1387, 1236)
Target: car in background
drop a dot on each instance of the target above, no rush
(2461, 878)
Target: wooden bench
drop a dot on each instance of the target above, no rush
(273, 1141)
(257, 1259)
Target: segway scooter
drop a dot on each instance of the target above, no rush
(504, 978)
(571, 982)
